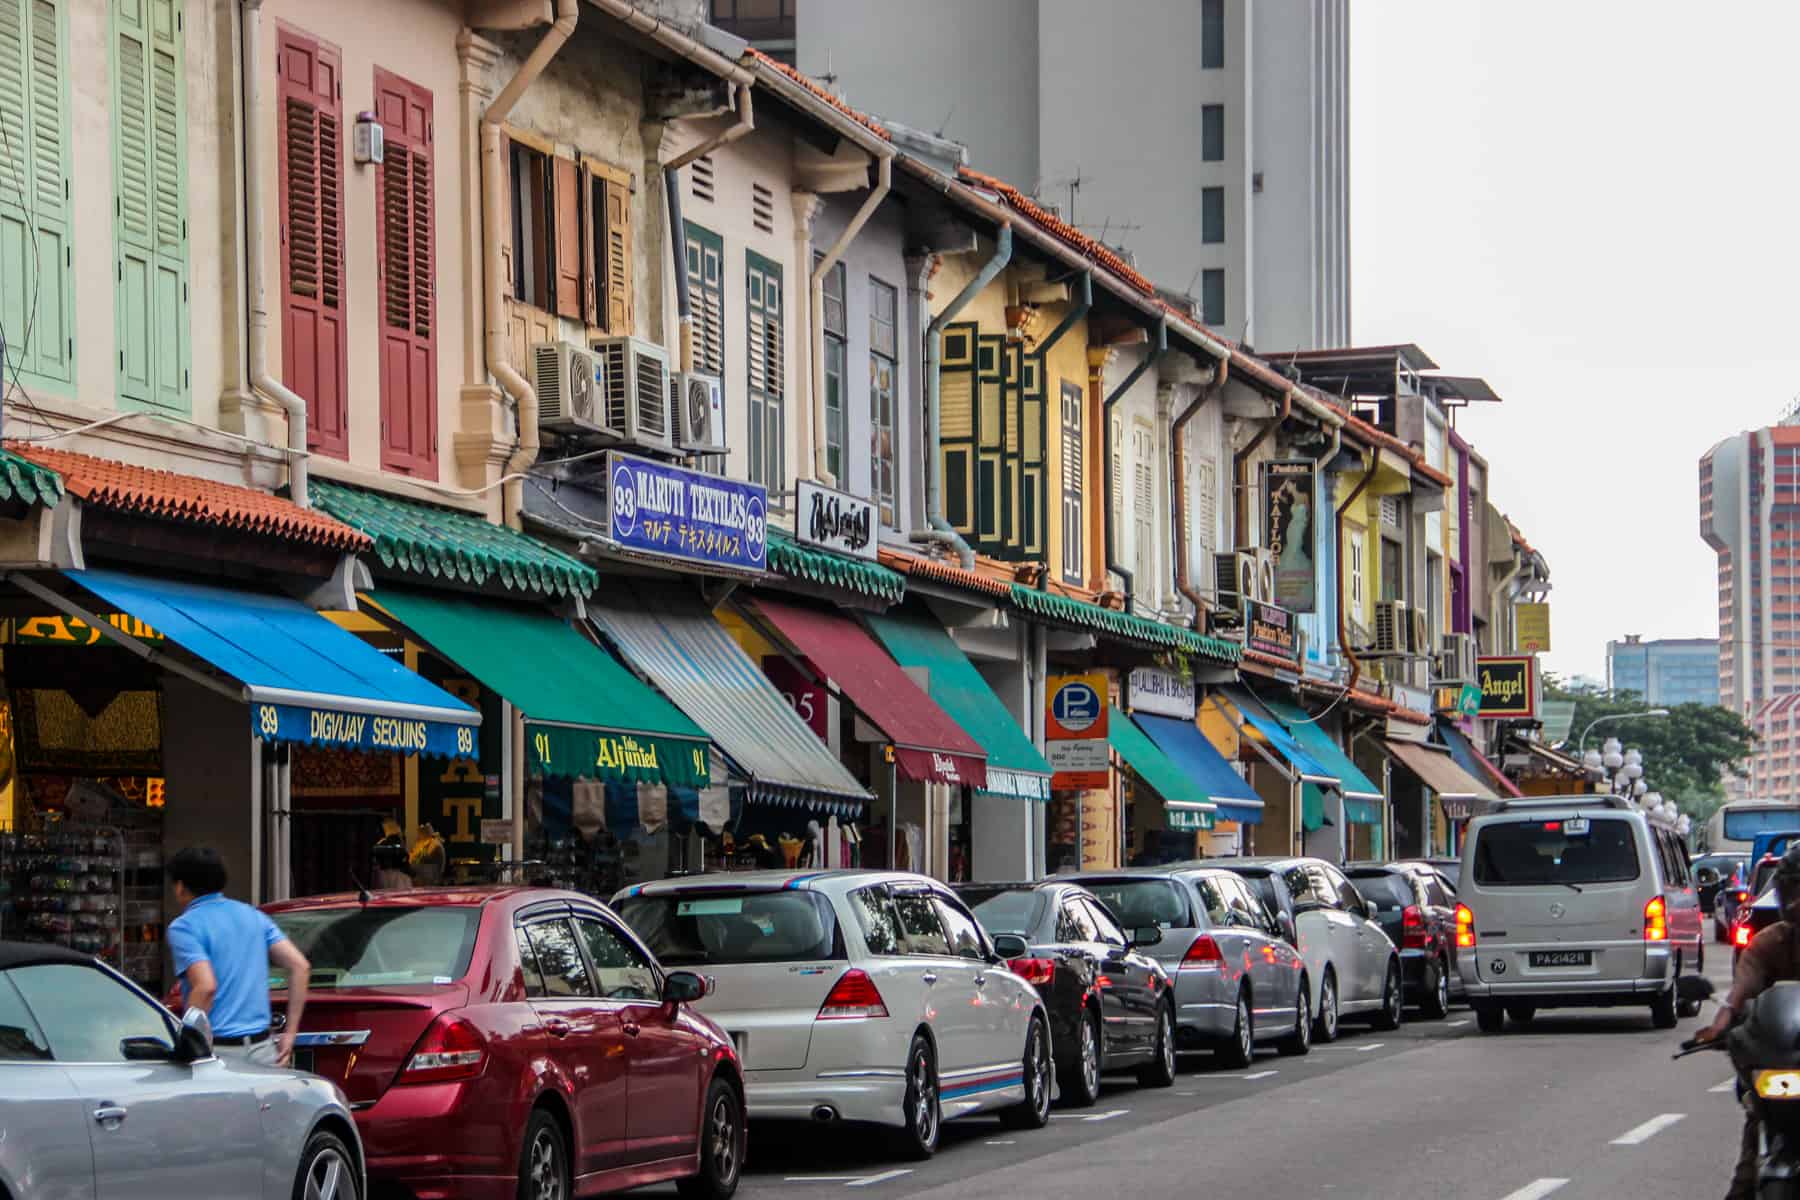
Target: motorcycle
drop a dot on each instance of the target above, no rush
(1764, 1045)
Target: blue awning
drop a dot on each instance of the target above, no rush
(1183, 742)
(305, 679)
(1326, 752)
(1302, 763)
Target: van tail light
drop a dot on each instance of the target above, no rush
(1465, 927)
(1413, 935)
(1740, 936)
(1203, 955)
(450, 1049)
(1656, 920)
(1742, 896)
(853, 996)
(1036, 971)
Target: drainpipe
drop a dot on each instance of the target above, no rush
(1178, 459)
(1077, 310)
(1343, 618)
(1149, 360)
(292, 403)
(1494, 594)
(684, 311)
(939, 530)
(884, 175)
(1241, 488)
(493, 214)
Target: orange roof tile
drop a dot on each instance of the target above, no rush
(817, 89)
(144, 491)
(942, 572)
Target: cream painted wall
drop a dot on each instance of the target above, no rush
(1134, 412)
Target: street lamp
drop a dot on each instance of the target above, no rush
(1648, 712)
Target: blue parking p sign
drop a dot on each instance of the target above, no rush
(1077, 707)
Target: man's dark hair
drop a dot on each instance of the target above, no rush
(199, 869)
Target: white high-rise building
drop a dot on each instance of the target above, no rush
(1209, 139)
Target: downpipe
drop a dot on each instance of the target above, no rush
(1239, 485)
(684, 309)
(1343, 611)
(884, 176)
(1150, 359)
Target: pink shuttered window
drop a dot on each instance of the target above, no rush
(403, 204)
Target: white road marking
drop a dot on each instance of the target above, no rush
(820, 1178)
(1105, 1116)
(1456, 1024)
(1252, 1075)
(1000, 1142)
(1369, 1047)
(1536, 1190)
(1728, 1085)
(881, 1178)
(1648, 1130)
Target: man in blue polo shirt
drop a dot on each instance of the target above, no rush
(223, 949)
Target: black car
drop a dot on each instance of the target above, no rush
(1110, 1006)
(1721, 882)
(1758, 914)
(1449, 868)
(1416, 907)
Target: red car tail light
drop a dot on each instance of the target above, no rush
(1742, 897)
(1656, 920)
(1413, 935)
(1740, 936)
(853, 995)
(1465, 927)
(1203, 955)
(451, 1049)
(1035, 971)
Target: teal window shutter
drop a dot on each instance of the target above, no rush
(150, 204)
(37, 294)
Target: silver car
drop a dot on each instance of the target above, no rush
(103, 1093)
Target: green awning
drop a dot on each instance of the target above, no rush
(24, 482)
(1362, 812)
(790, 558)
(585, 714)
(1126, 626)
(1015, 769)
(445, 543)
(1325, 750)
(1180, 794)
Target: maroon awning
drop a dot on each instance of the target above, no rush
(929, 747)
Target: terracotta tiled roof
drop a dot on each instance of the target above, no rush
(143, 491)
(1098, 251)
(942, 572)
(817, 89)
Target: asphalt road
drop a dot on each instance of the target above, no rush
(1579, 1106)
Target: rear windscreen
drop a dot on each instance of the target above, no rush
(1004, 910)
(1384, 890)
(1742, 825)
(705, 928)
(380, 946)
(1582, 850)
(1140, 903)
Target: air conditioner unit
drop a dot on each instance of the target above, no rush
(635, 404)
(1392, 627)
(1264, 574)
(699, 412)
(1234, 573)
(1456, 662)
(1422, 644)
(567, 379)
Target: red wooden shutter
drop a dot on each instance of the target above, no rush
(408, 318)
(314, 356)
(566, 237)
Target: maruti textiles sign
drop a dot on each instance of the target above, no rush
(362, 731)
(834, 521)
(1508, 686)
(677, 513)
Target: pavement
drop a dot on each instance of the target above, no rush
(1580, 1105)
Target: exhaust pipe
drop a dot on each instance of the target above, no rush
(824, 1114)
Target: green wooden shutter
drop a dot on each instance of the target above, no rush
(956, 426)
(150, 203)
(37, 294)
(1033, 484)
(990, 442)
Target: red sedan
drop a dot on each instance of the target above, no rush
(521, 1042)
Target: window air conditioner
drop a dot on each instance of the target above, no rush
(700, 412)
(567, 379)
(1392, 627)
(635, 404)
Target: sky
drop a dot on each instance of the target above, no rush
(1592, 205)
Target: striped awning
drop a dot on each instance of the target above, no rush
(692, 660)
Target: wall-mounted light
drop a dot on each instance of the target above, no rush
(367, 143)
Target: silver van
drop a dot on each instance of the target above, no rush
(1574, 901)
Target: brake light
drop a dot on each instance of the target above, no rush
(853, 996)
(1740, 936)
(1036, 971)
(1656, 920)
(1203, 955)
(1412, 929)
(451, 1049)
(1743, 896)
(1465, 927)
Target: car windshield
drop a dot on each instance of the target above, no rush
(1384, 890)
(1264, 883)
(1140, 903)
(701, 928)
(1004, 910)
(1571, 851)
(384, 946)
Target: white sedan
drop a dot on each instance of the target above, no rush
(868, 996)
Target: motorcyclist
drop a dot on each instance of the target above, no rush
(1772, 956)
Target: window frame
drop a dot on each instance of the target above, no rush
(1212, 223)
(1212, 35)
(171, 1030)
(1212, 133)
(911, 946)
(620, 931)
(951, 905)
(567, 920)
(884, 421)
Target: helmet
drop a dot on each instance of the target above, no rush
(1787, 884)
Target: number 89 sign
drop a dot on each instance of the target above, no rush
(1078, 707)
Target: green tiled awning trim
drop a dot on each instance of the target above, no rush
(442, 543)
(27, 483)
(871, 579)
(1071, 611)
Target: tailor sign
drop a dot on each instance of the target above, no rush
(369, 732)
(672, 512)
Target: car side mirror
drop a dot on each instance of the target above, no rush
(1009, 946)
(195, 1041)
(684, 987)
(1149, 935)
(145, 1049)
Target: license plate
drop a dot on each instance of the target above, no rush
(1562, 958)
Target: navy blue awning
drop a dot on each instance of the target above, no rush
(1188, 748)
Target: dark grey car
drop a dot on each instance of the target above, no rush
(103, 1093)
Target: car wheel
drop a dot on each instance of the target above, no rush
(1034, 1111)
(1325, 1025)
(1490, 1018)
(1691, 1008)
(1436, 1003)
(1159, 1072)
(327, 1170)
(721, 1146)
(921, 1108)
(1522, 1013)
(1662, 1010)
(1391, 999)
(1299, 1042)
(1240, 1048)
(544, 1162)
(1081, 1079)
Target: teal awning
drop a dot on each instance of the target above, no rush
(1183, 799)
(1323, 748)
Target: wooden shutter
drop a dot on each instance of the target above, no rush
(706, 295)
(314, 358)
(766, 337)
(1033, 485)
(990, 441)
(1074, 529)
(403, 204)
(956, 426)
(1143, 507)
(620, 312)
(565, 238)
(37, 305)
(150, 205)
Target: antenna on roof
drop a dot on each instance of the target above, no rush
(945, 123)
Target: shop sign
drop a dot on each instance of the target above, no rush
(1270, 631)
(1508, 686)
(1188, 820)
(832, 520)
(572, 752)
(1164, 693)
(1468, 700)
(1532, 621)
(62, 630)
(363, 731)
(676, 513)
(1079, 765)
(1288, 532)
(1020, 785)
(1078, 706)
(1414, 699)
(497, 832)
